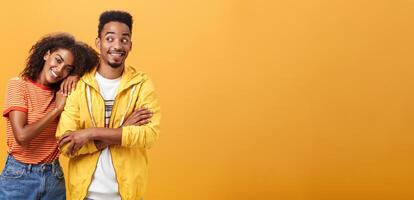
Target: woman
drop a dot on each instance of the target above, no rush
(33, 106)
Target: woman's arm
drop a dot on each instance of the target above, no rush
(23, 132)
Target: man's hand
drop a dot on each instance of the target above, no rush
(79, 138)
(100, 145)
(76, 140)
(139, 117)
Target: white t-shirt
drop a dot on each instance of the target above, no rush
(104, 185)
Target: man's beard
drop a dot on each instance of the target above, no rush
(115, 65)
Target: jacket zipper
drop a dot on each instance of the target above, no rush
(110, 119)
(100, 152)
(112, 160)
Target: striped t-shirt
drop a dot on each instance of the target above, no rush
(36, 100)
(104, 184)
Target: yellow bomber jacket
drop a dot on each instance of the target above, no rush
(85, 108)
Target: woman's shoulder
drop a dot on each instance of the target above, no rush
(17, 80)
(16, 85)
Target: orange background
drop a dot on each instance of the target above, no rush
(290, 100)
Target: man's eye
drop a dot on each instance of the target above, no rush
(125, 40)
(109, 39)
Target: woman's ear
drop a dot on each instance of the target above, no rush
(46, 56)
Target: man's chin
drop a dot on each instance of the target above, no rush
(115, 65)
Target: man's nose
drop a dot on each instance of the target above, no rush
(117, 44)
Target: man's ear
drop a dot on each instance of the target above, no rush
(98, 43)
(46, 56)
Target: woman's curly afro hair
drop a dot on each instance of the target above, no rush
(85, 57)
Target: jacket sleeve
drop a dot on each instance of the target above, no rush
(146, 135)
(70, 121)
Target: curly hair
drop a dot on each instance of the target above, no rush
(51, 43)
(85, 58)
(114, 16)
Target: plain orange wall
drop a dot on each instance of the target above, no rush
(290, 100)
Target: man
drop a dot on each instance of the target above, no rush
(110, 120)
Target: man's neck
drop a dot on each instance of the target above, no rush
(110, 73)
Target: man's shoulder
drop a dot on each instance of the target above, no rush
(134, 74)
(78, 90)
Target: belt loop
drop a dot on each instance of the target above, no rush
(54, 166)
(29, 167)
(42, 167)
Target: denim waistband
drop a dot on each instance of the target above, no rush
(41, 167)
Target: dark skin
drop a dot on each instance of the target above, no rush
(61, 62)
(69, 84)
(106, 136)
(114, 44)
(23, 132)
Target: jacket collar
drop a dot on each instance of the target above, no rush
(130, 76)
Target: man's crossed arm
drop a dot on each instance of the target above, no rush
(102, 137)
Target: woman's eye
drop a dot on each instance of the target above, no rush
(58, 60)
